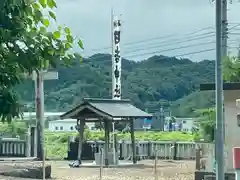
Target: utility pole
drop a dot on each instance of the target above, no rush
(219, 143)
(224, 45)
(162, 118)
(40, 119)
(39, 113)
(224, 29)
(39, 77)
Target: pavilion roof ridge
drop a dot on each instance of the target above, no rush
(105, 100)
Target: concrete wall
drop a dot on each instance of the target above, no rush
(232, 131)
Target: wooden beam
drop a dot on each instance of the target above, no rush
(81, 138)
(133, 142)
(226, 86)
(106, 128)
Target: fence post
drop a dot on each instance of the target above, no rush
(149, 148)
(175, 151)
(120, 149)
(101, 164)
(170, 151)
(155, 164)
(198, 158)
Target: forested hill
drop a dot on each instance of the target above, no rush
(149, 83)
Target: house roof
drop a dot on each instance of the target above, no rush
(226, 86)
(32, 115)
(63, 120)
(105, 108)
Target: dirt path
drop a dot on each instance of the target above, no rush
(166, 171)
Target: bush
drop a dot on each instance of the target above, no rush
(13, 129)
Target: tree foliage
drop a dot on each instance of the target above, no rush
(231, 69)
(27, 45)
(150, 84)
(207, 123)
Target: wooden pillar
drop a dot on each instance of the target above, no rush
(81, 138)
(106, 146)
(133, 142)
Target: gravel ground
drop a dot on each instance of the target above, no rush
(166, 171)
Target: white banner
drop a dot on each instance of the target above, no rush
(116, 61)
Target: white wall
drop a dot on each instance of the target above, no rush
(66, 125)
(187, 125)
(55, 126)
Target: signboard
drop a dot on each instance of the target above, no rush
(116, 60)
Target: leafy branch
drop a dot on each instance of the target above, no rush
(27, 45)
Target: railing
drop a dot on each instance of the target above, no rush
(147, 149)
(12, 148)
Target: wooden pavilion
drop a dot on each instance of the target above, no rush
(106, 111)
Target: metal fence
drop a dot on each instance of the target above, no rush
(13, 148)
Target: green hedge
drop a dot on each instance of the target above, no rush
(56, 143)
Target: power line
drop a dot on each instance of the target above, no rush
(155, 38)
(191, 53)
(232, 28)
(156, 52)
(187, 34)
(182, 40)
(181, 47)
(160, 51)
(170, 37)
(178, 41)
(172, 43)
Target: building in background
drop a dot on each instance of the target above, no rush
(179, 124)
(158, 120)
(156, 123)
(187, 124)
(66, 125)
(54, 123)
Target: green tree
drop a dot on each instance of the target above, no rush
(207, 122)
(27, 45)
(231, 69)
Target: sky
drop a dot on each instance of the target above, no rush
(184, 29)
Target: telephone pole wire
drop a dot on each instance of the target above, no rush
(219, 143)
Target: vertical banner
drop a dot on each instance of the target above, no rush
(116, 60)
